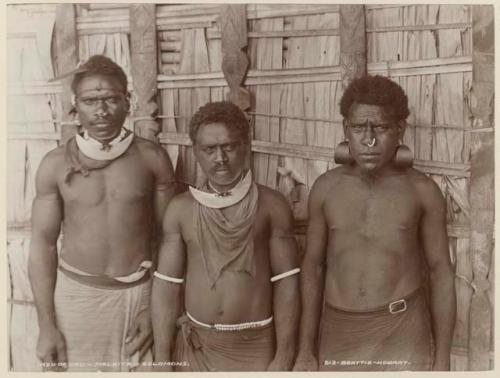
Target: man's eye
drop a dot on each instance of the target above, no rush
(357, 128)
(209, 150)
(89, 101)
(229, 147)
(381, 128)
(112, 100)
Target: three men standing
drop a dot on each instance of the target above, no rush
(226, 290)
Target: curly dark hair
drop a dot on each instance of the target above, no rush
(375, 90)
(220, 112)
(99, 64)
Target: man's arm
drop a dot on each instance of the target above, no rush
(164, 191)
(140, 335)
(46, 221)
(312, 281)
(442, 279)
(286, 299)
(165, 296)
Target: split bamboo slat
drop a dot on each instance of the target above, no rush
(266, 54)
(194, 59)
(482, 192)
(324, 154)
(393, 69)
(293, 131)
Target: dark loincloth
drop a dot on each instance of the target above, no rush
(377, 340)
(205, 349)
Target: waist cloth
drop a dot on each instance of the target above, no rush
(200, 348)
(95, 318)
(377, 339)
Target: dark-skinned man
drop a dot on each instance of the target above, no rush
(375, 225)
(229, 248)
(107, 191)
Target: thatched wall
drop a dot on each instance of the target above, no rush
(295, 81)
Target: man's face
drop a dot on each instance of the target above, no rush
(373, 136)
(101, 105)
(221, 153)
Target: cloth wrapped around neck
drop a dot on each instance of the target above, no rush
(79, 162)
(226, 242)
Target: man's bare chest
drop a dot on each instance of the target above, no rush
(123, 182)
(376, 211)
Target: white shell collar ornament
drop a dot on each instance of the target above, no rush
(96, 150)
(219, 200)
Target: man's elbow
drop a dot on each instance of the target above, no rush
(443, 275)
(312, 267)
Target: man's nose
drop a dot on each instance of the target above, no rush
(368, 134)
(220, 155)
(101, 106)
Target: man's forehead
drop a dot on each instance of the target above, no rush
(98, 83)
(217, 133)
(360, 111)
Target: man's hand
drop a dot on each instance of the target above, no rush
(306, 362)
(140, 335)
(51, 349)
(280, 364)
(441, 364)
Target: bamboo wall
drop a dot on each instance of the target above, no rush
(32, 105)
(295, 81)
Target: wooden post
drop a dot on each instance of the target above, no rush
(66, 49)
(234, 60)
(482, 187)
(352, 42)
(144, 69)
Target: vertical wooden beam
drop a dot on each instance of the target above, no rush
(144, 68)
(234, 60)
(66, 59)
(352, 42)
(482, 187)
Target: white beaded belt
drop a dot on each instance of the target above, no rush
(232, 327)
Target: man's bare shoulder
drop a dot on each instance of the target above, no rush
(426, 188)
(271, 197)
(50, 172)
(275, 206)
(150, 149)
(179, 204)
(53, 161)
(156, 158)
(327, 181)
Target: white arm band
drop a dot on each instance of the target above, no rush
(284, 275)
(168, 278)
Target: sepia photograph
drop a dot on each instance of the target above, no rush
(249, 187)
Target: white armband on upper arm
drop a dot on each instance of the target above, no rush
(285, 274)
(168, 278)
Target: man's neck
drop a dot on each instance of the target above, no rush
(107, 140)
(372, 177)
(221, 189)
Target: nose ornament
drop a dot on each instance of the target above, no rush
(372, 142)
